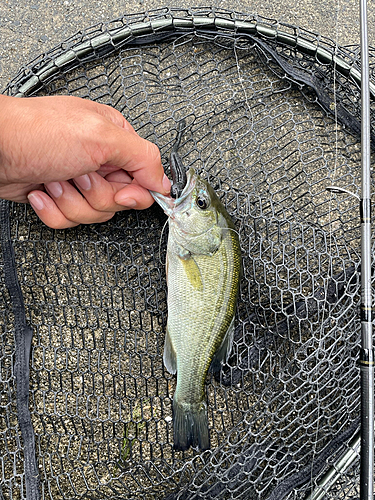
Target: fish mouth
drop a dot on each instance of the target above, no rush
(171, 205)
(180, 179)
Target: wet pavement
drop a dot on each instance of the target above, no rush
(29, 28)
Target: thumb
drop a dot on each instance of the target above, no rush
(112, 115)
(125, 149)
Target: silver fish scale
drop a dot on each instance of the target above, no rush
(198, 319)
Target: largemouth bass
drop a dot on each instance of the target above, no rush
(203, 273)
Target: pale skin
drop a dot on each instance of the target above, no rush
(74, 160)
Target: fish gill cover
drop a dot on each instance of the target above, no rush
(273, 116)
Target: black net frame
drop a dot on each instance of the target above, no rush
(273, 115)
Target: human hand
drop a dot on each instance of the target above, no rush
(75, 160)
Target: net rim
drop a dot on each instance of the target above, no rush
(169, 23)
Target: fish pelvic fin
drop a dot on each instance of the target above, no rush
(169, 356)
(222, 354)
(190, 426)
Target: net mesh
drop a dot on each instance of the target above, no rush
(259, 129)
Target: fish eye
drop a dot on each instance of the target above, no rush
(202, 202)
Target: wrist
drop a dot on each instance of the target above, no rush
(8, 137)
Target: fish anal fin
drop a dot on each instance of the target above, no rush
(222, 354)
(169, 356)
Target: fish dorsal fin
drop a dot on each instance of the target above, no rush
(223, 352)
(169, 356)
(193, 273)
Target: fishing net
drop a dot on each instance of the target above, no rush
(272, 114)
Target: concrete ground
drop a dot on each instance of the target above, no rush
(29, 28)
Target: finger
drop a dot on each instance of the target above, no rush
(74, 206)
(118, 191)
(115, 175)
(119, 176)
(136, 155)
(18, 191)
(100, 193)
(114, 116)
(135, 196)
(48, 212)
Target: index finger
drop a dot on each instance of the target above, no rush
(140, 157)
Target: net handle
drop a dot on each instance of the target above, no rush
(366, 361)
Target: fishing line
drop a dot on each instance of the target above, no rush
(241, 80)
(161, 237)
(235, 231)
(280, 235)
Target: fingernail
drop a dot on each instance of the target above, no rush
(166, 184)
(54, 189)
(126, 202)
(83, 182)
(36, 201)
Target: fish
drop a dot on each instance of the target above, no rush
(203, 268)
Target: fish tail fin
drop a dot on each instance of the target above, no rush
(190, 426)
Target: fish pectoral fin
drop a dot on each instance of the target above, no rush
(169, 356)
(223, 352)
(193, 273)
